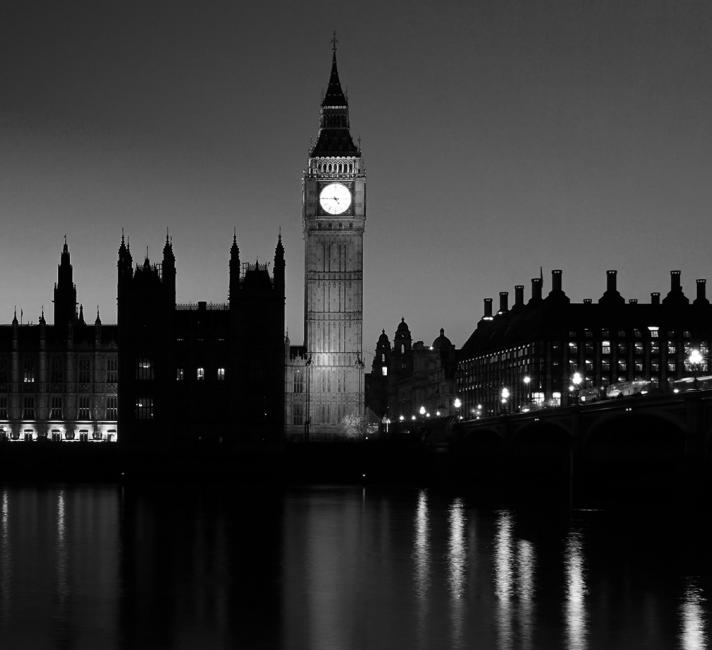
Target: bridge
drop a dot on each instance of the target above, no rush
(654, 442)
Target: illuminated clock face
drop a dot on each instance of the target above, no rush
(335, 198)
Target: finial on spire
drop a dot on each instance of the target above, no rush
(234, 235)
(333, 42)
(167, 236)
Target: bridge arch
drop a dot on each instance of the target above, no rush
(634, 454)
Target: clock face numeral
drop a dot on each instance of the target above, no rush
(335, 198)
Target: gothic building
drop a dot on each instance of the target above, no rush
(59, 382)
(531, 354)
(409, 377)
(199, 373)
(324, 379)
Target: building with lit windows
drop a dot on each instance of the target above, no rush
(550, 351)
(59, 382)
(411, 380)
(200, 373)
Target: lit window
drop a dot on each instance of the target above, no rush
(556, 398)
(28, 375)
(672, 349)
(144, 368)
(605, 347)
(180, 374)
(384, 371)
(573, 348)
(638, 347)
(200, 374)
(671, 366)
(654, 347)
(144, 408)
(221, 374)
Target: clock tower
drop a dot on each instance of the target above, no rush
(334, 217)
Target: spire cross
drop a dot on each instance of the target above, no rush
(333, 42)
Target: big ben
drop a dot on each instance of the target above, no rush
(334, 217)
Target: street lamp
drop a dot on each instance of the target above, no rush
(527, 381)
(457, 403)
(576, 381)
(695, 360)
(504, 397)
(422, 410)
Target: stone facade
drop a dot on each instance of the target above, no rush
(325, 378)
(59, 382)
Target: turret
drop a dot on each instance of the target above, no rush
(279, 265)
(234, 270)
(169, 271)
(65, 292)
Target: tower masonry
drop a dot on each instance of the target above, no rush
(334, 218)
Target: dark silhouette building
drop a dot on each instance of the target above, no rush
(550, 351)
(199, 373)
(408, 377)
(59, 382)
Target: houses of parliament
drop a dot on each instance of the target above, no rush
(170, 374)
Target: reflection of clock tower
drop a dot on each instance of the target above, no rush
(334, 214)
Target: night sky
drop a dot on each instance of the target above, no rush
(499, 136)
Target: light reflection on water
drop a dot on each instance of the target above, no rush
(332, 568)
(503, 573)
(457, 561)
(526, 562)
(693, 634)
(575, 606)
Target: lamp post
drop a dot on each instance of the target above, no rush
(307, 421)
(504, 398)
(527, 383)
(576, 381)
(695, 360)
(457, 403)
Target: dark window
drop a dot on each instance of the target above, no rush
(298, 382)
(28, 408)
(112, 404)
(56, 370)
(84, 408)
(3, 408)
(56, 410)
(112, 370)
(84, 371)
(297, 414)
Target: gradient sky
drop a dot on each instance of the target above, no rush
(499, 136)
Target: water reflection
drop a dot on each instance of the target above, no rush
(5, 560)
(693, 635)
(457, 561)
(421, 560)
(526, 563)
(503, 572)
(575, 606)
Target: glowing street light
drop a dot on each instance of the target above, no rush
(422, 410)
(457, 403)
(695, 360)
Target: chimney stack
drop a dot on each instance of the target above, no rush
(655, 298)
(536, 289)
(556, 281)
(611, 281)
(701, 290)
(488, 309)
(519, 295)
(503, 302)
(675, 281)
